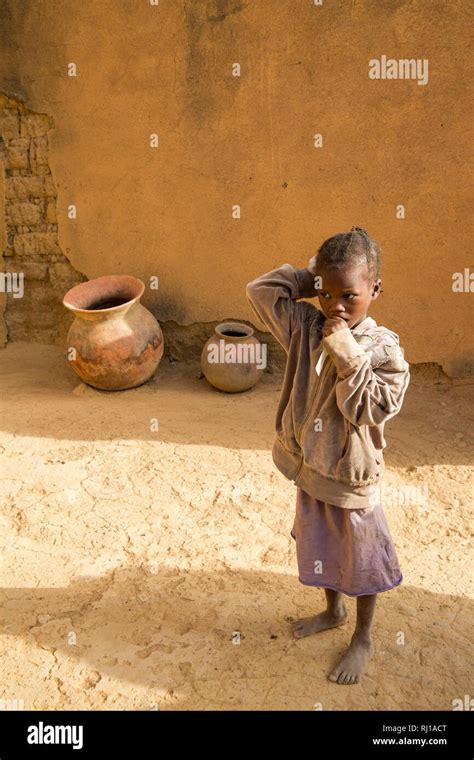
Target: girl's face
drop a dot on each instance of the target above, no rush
(346, 293)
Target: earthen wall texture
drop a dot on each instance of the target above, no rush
(235, 183)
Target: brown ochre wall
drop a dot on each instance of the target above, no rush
(205, 142)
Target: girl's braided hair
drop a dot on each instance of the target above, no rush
(348, 249)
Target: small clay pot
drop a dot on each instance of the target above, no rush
(233, 360)
(117, 342)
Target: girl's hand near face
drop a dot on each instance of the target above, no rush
(312, 265)
(332, 325)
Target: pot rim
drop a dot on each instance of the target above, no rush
(81, 289)
(236, 326)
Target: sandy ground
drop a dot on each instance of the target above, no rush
(154, 569)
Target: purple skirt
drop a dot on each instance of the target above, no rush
(346, 550)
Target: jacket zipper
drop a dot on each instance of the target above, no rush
(318, 387)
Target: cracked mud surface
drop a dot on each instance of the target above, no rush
(133, 558)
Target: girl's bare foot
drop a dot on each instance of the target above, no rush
(315, 623)
(354, 663)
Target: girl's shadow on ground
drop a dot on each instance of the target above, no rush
(208, 640)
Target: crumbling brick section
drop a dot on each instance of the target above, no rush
(29, 243)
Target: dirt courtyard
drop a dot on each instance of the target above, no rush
(147, 561)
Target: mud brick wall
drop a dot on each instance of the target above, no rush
(302, 140)
(29, 245)
(29, 240)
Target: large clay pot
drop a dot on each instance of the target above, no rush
(233, 360)
(118, 343)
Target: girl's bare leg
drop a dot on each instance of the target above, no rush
(354, 663)
(334, 615)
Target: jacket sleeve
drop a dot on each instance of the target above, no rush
(272, 298)
(367, 394)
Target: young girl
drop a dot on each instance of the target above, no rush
(344, 378)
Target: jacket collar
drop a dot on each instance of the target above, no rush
(366, 324)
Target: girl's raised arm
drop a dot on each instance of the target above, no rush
(273, 296)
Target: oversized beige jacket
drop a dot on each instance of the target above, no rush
(338, 392)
